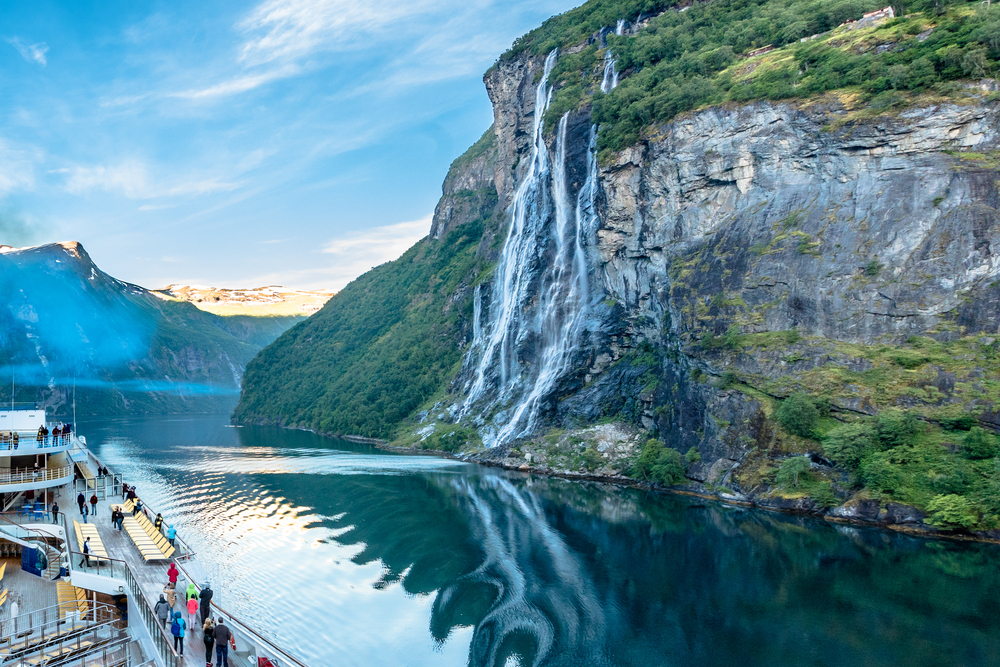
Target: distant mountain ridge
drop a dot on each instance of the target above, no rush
(127, 349)
(258, 301)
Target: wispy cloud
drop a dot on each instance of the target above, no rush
(352, 254)
(280, 36)
(238, 84)
(17, 167)
(33, 53)
(285, 30)
(131, 179)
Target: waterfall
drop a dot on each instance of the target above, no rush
(511, 279)
(540, 296)
(610, 80)
(477, 312)
(563, 302)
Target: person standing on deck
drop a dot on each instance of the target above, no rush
(177, 630)
(208, 636)
(55, 512)
(206, 602)
(40, 437)
(86, 552)
(171, 534)
(67, 431)
(93, 505)
(171, 594)
(192, 607)
(81, 500)
(137, 507)
(222, 638)
(15, 439)
(162, 610)
(173, 573)
(158, 524)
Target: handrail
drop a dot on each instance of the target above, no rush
(73, 652)
(29, 475)
(157, 633)
(256, 634)
(31, 442)
(38, 620)
(32, 532)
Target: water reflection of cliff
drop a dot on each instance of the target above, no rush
(555, 573)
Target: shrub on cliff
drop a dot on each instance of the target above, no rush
(847, 443)
(880, 473)
(894, 428)
(952, 512)
(790, 471)
(659, 464)
(979, 444)
(798, 415)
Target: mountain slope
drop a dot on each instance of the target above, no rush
(390, 340)
(790, 300)
(126, 349)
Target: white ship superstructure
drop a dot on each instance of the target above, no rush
(55, 608)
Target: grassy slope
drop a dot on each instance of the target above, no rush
(377, 350)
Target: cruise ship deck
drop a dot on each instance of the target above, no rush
(56, 609)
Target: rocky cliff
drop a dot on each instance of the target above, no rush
(749, 292)
(746, 252)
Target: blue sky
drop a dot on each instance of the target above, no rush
(232, 144)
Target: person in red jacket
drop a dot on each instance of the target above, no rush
(173, 573)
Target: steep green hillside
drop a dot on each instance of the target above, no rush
(376, 351)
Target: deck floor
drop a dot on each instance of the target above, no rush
(29, 591)
(151, 576)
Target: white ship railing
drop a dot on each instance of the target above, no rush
(28, 475)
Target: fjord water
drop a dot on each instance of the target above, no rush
(351, 556)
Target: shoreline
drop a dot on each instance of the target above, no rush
(913, 529)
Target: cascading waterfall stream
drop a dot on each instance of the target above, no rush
(544, 216)
(477, 313)
(610, 80)
(527, 213)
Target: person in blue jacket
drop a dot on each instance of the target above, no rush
(177, 630)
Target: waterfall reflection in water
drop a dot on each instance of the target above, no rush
(354, 557)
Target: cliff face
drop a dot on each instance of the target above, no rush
(565, 313)
(737, 255)
(855, 233)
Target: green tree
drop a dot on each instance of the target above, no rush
(894, 428)
(847, 443)
(953, 512)
(659, 464)
(798, 415)
(790, 470)
(879, 472)
(979, 444)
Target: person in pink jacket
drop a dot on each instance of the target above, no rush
(192, 607)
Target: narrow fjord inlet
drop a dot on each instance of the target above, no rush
(401, 559)
(693, 360)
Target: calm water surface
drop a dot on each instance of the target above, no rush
(351, 556)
